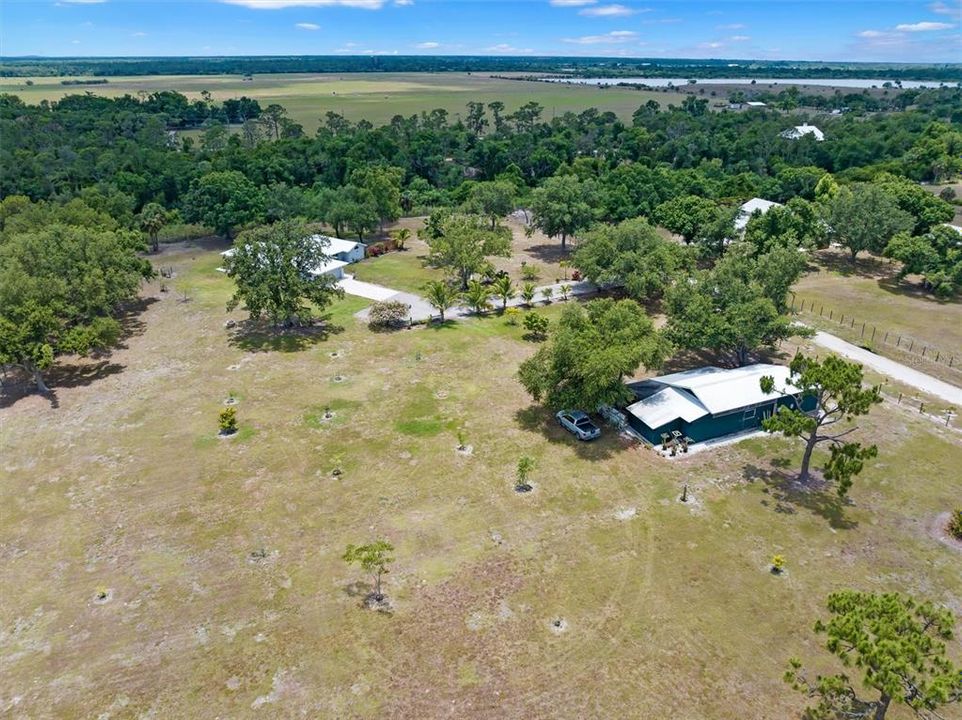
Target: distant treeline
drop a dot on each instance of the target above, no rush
(99, 81)
(582, 67)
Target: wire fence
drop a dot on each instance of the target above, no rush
(871, 335)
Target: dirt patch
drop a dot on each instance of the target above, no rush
(939, 529)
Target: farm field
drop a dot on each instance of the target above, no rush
(221, 560)
(376, 97)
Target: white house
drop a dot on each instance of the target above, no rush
(755, 104)
(802, 130)
(752, 206)
(339, 254)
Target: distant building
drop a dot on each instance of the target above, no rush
(749, 208)
(800, 131)
(709, 402)
(755, 104)
(340, 253)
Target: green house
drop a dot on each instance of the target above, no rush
(710, 402)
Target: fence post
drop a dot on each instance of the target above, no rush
(863, 330)
(821, 311)
(911, 344)
(873, 334)
(900, 399)
(899, 341)
(921, 407)
(830, 314)
(923, 351)
(852, 324)
(938, 354)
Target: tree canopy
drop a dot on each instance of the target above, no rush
(563, 206)
(864, 217)
(632, 254)
(461, 244)
(273, 268)
(897, 646)
(936, 256)
(738, 306)
(65, 272)
(594, 347)
(836, 386)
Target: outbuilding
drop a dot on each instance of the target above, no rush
(755, 205)
(709, 402)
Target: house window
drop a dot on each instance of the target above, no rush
(748, 414)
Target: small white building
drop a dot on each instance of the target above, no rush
(755, 104)
(800, 131)
(339, 254)
(749, 208)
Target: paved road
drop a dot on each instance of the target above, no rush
(895, 370)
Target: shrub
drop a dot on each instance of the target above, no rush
(529, 273)
(511, 315)
(388, 314)
(536, 325)
(778, 564)
(955, 525)
(947, 194)
(228, 421)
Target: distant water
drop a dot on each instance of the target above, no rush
(826, 82)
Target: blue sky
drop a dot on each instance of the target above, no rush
(887, 30)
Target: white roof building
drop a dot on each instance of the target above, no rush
(755, 104)
(724, 400)
(339, 253)
(747, 209)
(802, 130)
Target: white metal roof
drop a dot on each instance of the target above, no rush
(755, 103)
(692, 394)
(336, 245)
(746, 210)
(804, 129)
(665, 406)
(327, 266)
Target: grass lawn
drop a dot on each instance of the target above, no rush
(376, 97)
(400, 270)
(220, 559)
(871, 294)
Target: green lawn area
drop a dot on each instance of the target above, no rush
(221, 559)
(871, 294)
(376, 97)
(401, 270)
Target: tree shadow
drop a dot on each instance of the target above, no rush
(551, 254)
(865, 266)
(255, 336)
(914, 291)
(61, 376)
(788, 495)
(536, 418)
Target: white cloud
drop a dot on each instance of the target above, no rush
(710, 45)
(138, 34)
(403, 3)
(307, 26)
(508, 49)
(740, 38)
(940, 8)
(82, 2)
(379, 52)
(612, 38)
(74, 42)
(922, 26)
(281, 4)
(731, 26)
(571, 3)
(609, 11)
(430, 45)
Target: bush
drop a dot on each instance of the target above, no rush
(536, 325)
(947, 194)
(388, 314)
(511, 315)
(955, 525)
(778, 564)
(228, 421)
(529, 273)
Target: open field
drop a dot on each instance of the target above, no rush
(220, 559)
(376, 97)
(870, 293)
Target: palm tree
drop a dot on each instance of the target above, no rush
(477, 296)
(441, 296)
(565, 290)
(401, 237)
(503, 289)
(547, 294)
(152, 219)
(564, 265)
(528, 291)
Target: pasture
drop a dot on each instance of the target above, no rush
(152, 569)
(376, 97)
